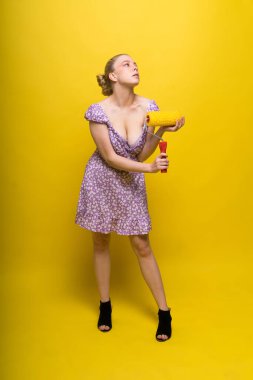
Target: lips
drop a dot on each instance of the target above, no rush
(136, 75)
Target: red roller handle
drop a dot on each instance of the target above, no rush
(163, 147)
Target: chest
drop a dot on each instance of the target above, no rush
(128, 123)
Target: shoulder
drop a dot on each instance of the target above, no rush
(147, 103)
(95, 113)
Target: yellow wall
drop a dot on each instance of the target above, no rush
(192, 55)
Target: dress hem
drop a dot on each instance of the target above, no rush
(116, 231)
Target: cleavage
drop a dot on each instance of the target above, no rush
(124, 129)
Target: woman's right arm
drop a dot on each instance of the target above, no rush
(101, 138)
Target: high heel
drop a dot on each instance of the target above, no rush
(105, 315)
(164, 326)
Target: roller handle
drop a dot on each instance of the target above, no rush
(163, 147)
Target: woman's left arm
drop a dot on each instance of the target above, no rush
(152, 141)
(150, 144)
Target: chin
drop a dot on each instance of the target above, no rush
(137, 80)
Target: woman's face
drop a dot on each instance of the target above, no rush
(125, 70)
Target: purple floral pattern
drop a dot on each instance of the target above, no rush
(112, 199)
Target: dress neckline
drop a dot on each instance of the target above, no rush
(125, 140)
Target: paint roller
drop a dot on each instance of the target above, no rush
(159, 119)
(162, 118)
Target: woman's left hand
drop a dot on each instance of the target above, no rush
(174, 128)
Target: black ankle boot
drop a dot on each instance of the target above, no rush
(105, 315)
(164, 326)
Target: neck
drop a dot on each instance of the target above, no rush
(123, 97)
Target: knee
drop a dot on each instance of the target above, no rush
(101, 242)
(142, 249)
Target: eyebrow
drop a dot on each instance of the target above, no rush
(127, 60)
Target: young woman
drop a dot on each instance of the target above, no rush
(113, 192)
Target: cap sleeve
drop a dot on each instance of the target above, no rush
(94, 113)
(153, 106)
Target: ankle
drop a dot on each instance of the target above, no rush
(103, 300)
(164, 308)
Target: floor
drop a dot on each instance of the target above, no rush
(50, 326)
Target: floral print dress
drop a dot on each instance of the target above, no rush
(112, 199)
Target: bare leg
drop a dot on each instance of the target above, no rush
(102, 266)
(150, 270)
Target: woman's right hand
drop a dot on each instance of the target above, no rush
(161, 162)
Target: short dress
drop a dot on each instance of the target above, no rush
(113, 200)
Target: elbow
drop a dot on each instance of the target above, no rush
(110, 159)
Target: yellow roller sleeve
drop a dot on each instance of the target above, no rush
(162, 118)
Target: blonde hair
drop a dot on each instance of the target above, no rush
(103, 79)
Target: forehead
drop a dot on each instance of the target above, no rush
(124, 58)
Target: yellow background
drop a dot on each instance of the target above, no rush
(195, 56)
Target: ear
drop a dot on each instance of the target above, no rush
(112, 76)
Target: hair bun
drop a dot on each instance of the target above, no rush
(104, 83)
(103, 79)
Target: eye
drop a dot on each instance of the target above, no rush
(126, 64)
